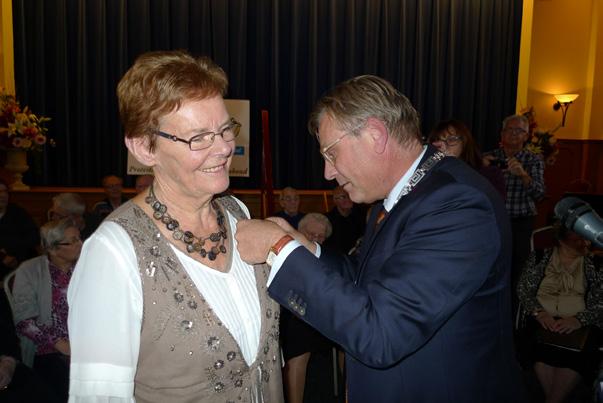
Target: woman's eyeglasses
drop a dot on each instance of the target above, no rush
(450, 141)
(205, 140)
(70, 242)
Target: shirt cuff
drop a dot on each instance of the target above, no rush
(283, 254)
(96, 379)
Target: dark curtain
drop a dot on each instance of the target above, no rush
(452, 58)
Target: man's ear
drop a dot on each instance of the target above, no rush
(378, 133)
(139, 147)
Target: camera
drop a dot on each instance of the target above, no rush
(499, 162)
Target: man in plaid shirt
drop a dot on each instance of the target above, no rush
(524, 177)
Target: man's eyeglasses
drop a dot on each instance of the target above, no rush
(450, 141)
(72, 241)
(205, 140)
(329, 157)
(55, 215)
(515, 130)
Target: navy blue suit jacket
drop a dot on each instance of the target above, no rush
(424, 312)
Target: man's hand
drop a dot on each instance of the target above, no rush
(255, 237)
(515, 168)
(298, 236)
(487, 159)
(282, 223)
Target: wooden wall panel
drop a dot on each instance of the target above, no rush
(38, 200)
(579, 168)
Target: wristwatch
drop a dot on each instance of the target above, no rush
(276, 248)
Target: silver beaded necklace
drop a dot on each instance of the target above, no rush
(194, 243)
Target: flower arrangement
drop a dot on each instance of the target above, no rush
(20, 128)
(540, 142)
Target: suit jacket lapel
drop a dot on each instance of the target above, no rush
(373, 230)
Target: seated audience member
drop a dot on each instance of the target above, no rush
(73, 206)
(40, 303)
(143, 182)
(348, 221)
(289, 201)
(561, 288)
(18, 383)
(113, 186)
(298, 339)
(19, 235)
(453, 138)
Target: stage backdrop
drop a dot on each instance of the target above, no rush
(452, 58)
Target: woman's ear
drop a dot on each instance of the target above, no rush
(139, 148)
(378, 133)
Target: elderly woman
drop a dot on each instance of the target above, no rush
(72, 205)
(562, 289)
(453, 138)
(40, 303)
(300, 340)
(162, 308)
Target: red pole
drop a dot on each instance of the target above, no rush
(267, 188)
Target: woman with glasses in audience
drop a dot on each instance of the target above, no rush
(40, 303)
(162, 308)
(453, 138)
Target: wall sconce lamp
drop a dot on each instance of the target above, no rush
(563, 102)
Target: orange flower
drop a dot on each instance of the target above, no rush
(20, 128)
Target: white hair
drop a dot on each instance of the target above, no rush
(320, 218)
(72, 203)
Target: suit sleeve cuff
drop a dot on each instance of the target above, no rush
(282, 256)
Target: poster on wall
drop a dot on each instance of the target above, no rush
(238, 109)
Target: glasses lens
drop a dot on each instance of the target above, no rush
(328, 158)
(452, 140)
(70, 242)
(232, 131)
(201, 141)
(515, 130)
(205, 140)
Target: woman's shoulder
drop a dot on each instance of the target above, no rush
(33, 264)
(234, 206)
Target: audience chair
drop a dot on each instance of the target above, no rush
(9, 282)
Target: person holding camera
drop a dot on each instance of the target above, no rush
(524, 177)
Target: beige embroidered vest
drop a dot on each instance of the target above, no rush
(186, 354)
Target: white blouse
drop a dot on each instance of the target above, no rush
(106, 304)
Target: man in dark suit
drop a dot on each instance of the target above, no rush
(423, 311)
